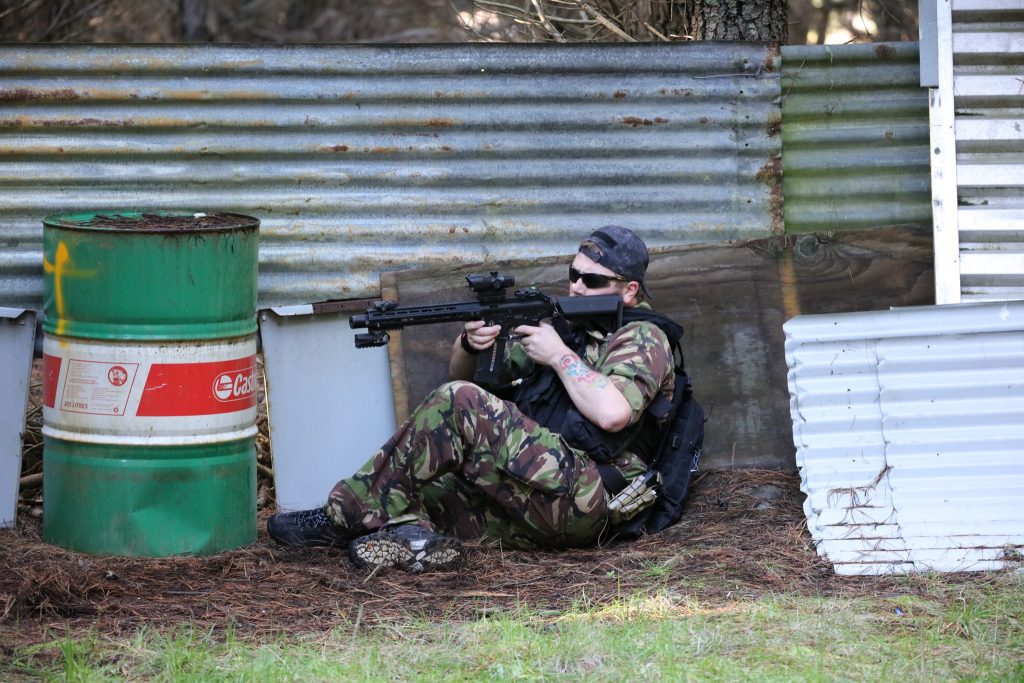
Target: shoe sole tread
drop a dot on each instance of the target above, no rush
(390, 551)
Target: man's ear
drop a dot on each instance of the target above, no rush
(629, 293)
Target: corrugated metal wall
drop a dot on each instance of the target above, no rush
(359, 159)
(908, 426)
(983, 255)
(855, 137)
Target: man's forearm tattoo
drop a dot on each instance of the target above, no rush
(581, 372)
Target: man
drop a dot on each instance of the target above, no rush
(536, 471)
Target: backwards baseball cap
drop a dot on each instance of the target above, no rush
(619, 250)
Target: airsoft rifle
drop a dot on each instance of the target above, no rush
(493, 304)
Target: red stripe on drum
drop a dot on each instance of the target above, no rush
(51, 374)
(184, 389)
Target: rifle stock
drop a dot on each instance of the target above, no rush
(494, 306)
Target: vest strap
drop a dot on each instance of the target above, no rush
(611, 477)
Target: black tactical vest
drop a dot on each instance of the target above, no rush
(542, 397)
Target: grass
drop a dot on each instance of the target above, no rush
(936, 630)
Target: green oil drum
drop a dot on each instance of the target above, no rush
(149, 360)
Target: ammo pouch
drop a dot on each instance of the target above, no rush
(635, 498)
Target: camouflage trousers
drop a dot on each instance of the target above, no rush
(470, 465)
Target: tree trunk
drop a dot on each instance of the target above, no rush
(740, 20)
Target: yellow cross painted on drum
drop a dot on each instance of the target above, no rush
(58, 268)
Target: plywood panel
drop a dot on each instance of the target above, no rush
(732, 298)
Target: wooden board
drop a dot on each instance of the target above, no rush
(732, 298)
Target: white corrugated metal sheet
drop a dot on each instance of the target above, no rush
(978, 151)
(909, 429)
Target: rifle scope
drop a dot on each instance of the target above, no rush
(489, 283)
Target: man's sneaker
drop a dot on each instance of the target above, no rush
(409, 546)
(306, 528)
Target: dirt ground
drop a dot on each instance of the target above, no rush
(743, 536)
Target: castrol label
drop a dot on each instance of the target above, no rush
(178, 389)
(149, 390)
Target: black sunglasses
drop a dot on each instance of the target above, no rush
(593, 280)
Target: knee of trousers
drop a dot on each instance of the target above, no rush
(463, 394)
